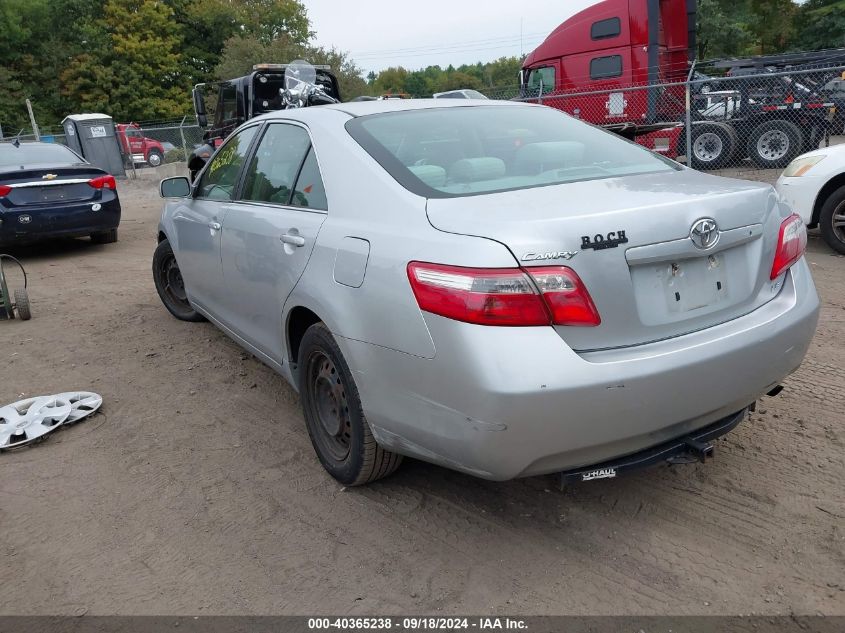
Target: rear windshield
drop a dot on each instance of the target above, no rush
(32, 154)
(449, 152)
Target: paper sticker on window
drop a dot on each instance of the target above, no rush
(98, 131)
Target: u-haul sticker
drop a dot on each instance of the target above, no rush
(601, 473)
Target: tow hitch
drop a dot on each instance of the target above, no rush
(695, 447)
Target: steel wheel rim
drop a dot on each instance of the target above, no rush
(838, 221)
(171, 281)
(155, 160)
(773, 145)
(329, 406)
(708, 147)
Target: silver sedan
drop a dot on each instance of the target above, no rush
(494, 287)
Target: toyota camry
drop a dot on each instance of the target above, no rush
(493, 287)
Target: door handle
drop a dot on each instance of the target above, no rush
(294, 240)
(215, 226)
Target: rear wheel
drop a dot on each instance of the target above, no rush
(773, 144)
(832, 220)
(333, 414)
(104, 237)
(22, 304)
(170, 285)
(713, 145)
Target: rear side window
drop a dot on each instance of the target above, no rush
(220, 177)
(309, 191)
(606, 67)
(604, 29)
(273, 170)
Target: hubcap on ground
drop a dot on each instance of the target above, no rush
(708, 147)
(328, 396)
(773, 145)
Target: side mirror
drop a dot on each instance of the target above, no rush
(178, 187)
(199, 106)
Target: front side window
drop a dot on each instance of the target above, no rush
(272, 172)
(219, 179)
(544, 77)
(606, 67)
(466, 150)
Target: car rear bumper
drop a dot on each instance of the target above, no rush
(69, 220)
(501, 403)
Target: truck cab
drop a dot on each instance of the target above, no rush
(617, 44)
(222, 106)
(142, 149)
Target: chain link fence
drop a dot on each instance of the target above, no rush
(719, 119)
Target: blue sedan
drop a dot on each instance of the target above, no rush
(49, 191)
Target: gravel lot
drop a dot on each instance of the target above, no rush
(196, 490)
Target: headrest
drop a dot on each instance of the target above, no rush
(476, 169)
(432, 175)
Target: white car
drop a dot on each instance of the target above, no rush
(814, 185)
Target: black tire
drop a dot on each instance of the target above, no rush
(713, 145)
(333, 414)
(832, 220)
(170, 285)
(773, 144)
(104, 237)
(155, 158)
(22, 304)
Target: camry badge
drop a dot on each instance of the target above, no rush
(705, 233)
(49, 177)
(535, 257)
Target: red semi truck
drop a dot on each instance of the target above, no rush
(622, 64)
(138, 146)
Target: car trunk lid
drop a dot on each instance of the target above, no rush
(46, 185)
(629, 240)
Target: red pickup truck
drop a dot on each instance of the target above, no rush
(141, 148)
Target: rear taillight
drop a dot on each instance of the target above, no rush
(103, 182)
(792, 242)
(5, 190)
(503, 296)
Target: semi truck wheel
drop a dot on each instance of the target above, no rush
(713, 145)
(773, 144)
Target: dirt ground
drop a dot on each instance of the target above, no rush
(196, 490)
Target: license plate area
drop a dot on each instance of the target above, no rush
(53, 194)
(692, 284)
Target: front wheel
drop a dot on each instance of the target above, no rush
(832, 220)
(170, 285)
(155, 158)
(333, 414)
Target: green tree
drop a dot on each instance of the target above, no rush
(820, 24)
(773, 24)
(136, 72)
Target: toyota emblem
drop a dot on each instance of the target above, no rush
(705, 233)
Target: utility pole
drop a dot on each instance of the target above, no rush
(32, 120)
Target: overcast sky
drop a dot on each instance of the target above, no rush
(383, 33)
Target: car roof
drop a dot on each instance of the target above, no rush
(365, 108)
